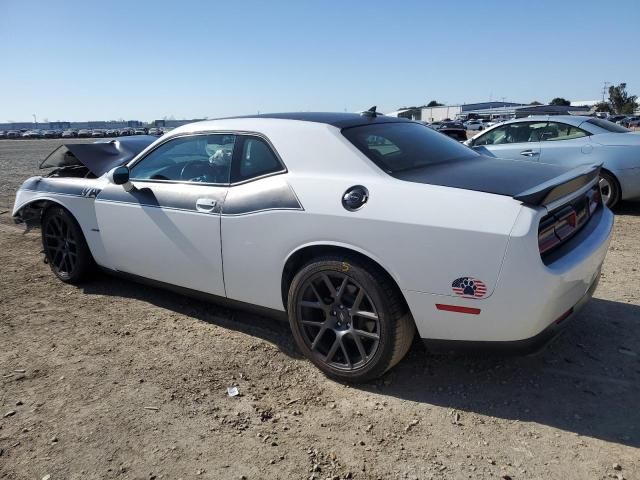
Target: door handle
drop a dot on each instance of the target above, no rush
(529, 153)
(206, 204)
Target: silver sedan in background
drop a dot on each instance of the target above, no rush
(571, 141)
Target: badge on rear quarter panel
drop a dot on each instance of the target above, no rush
(469, 287)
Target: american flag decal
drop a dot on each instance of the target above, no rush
(469, 287)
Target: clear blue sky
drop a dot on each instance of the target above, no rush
(82, 60)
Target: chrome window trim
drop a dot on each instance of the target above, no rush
(236, 133)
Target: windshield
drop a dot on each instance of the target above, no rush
(402, 146)
(607, 125)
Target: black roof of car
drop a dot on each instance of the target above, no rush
(339, 120)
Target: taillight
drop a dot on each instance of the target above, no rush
(547, 238)
(558, 226)
(566, 222)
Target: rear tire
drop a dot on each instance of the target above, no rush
(348, 318)
(609, 189)
(65, 247)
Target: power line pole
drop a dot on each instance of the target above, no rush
(605, 87)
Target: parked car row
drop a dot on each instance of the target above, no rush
(453, 129)
(478, 124)
(82, 133)
(628, 121)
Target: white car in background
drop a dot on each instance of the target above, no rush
(571, 141)
(474, 125)
(359, 228)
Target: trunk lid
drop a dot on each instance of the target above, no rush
(533, 183)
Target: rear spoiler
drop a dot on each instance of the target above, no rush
(98, 157)
(560, 186)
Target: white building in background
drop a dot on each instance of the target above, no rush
(436, 114)
(584, 103)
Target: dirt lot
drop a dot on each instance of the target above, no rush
(117, 380)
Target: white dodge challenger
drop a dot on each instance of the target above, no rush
(360, 228)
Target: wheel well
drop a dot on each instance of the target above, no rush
(613, 175)
(32, 212)
(304, 255)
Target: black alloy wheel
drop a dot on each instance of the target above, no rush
(65, 247)
(340, 323)
(348, 318)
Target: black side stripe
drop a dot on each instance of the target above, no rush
(251, 198)
(240, 199)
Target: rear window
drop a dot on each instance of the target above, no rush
(395, 147)
(607, 125)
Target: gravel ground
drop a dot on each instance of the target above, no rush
(117, 380)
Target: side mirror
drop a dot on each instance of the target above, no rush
(469, 143)
(120, 176)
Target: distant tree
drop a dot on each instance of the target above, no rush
(620, 101)
(433, 103)
(535, 102)
(563, 102)
(603, 107)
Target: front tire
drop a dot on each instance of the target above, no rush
(609, 189)
(348, 318)
(65, 247)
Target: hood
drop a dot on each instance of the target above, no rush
(530, 182)
(98, 157)
(617, 139)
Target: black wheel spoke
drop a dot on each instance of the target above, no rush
(327, 281)
(333, 350)
(58, 255)
(318, 305)
(312, 323)
(358, 341)
(358, 299)
(341, 289)
(365, 334)
(346, 354)
(367, 315)
(315, 292)
(319, 336)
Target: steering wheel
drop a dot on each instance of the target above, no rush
(194, 169)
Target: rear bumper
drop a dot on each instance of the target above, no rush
(529, 296)
(527, 345)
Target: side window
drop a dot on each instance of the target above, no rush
(197, 158)
(524, 132)
(561, 131)
(255, 159)
(496, 136)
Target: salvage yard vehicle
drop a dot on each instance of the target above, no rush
(69, 134)
(358, 228)
(33, 134)
(571, 141)
(474, 125)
